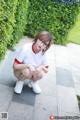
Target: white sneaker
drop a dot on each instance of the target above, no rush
(34, 86)
(19, 86)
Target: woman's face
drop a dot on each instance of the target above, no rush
(40, 45)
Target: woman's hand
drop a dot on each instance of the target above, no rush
(43, 68)
(31, 68)
(37, 74)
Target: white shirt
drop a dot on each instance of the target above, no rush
(27, 56)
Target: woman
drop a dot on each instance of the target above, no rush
(30, 64)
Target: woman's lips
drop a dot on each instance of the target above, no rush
(39, 47)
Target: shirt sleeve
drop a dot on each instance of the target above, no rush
(21, 55)
(44, 61)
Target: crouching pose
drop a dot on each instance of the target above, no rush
(30, 63)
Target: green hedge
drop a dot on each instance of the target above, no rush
(21, 19)
(7, 22)
(12, 22)
(52, 16)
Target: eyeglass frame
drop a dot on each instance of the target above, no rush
(44, 43)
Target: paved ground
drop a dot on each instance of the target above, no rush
(60, 86)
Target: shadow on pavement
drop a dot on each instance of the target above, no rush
(26, 97)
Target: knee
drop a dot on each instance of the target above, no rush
(40, 75)
(27, 73)
(37, 77)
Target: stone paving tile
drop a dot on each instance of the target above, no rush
(19, 111)
(6, 94)
(27, 96)
(22, 105)
(67, 100)
(22, 42)
(77, 89)
(48, 85)
(62, 57)
(75, 48)
(75, 66)
(76, 76)
(64, 77)
(6, 71)
(44, 107)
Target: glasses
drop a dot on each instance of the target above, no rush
(45, 44)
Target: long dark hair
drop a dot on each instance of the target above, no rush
(44, 36)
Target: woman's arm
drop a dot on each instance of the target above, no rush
(20, 66)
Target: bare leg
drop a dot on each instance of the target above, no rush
(22, 74)
(37, 76)
(33, 84)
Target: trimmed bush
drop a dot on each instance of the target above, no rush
(7, 22)
(52, 16)
(12, 22)
(3, 50)
(21, 19)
